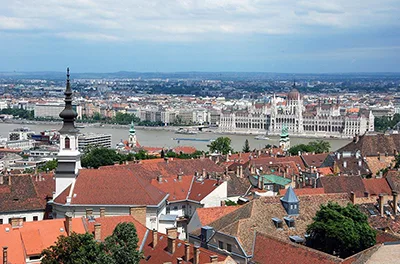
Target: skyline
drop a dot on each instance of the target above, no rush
(200, 36)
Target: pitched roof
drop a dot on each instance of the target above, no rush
(21, 194)
(393, 179)
(177, 190)
(376, 164)
(200, 189)
(271, 178)
(265, 161)
(304, 191)
(33, 237)
(210, 214)
(373, 144)
(269, 249)
(377, 186)
(257, 216)
(343, 184)
(290, 196)
(315, 160)
(100, 187)
(159, 254)
(109, 223)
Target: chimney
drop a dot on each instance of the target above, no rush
(241, 171)
(223, 203)
(366, 194)
(9, 179)
(97, 232)
(240, 155)
(1, 179)
(260, 182)
(159, 178)
(395, 201)
(17, 222)
(214, 259)
(68, 223)
(179, 176)
(172, 232)
(155, 237)
(139, 213)
(344, 164)
(179, 261)
(171, 245)
(102, 212)
(252, 169)
(359, 163)
(353, 197)
(187, 252)
(196, 255)
(204, 173)
(5, 261)
(226, 170)
(89, 212)
(338, 155)
(381, 204)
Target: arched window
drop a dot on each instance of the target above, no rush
(67, 143)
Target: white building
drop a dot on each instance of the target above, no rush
(97, 140)
(53, 110)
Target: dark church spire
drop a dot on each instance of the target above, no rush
(68, 114)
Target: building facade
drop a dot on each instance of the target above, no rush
(91, 139)
(320, 120)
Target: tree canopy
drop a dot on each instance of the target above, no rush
(341, 231)
(318, 146)
(246, 147)
(120, 247)
(50, 165)
(221, 145)
(383, 123)
(73, 249)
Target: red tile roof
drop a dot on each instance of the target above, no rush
(185, 149)
(273, 160)
(315, 160)
(177, 190)
(269, 249)
(200, 189)
(109, 223)
(304, 191)
(159, 254)
(210, 214)
(377, 186)
(114, 187)
(343, 184)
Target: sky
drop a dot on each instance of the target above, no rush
(284, 36)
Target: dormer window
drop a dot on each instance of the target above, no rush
(289, 221)
(277, 222)
(67, 143)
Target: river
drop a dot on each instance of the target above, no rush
(163, 138)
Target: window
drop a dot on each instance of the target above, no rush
(1, 221)
(229, 247)
(35, 218)
(24, 219)
(175, 208)
(168, 210)
(220, 245)
(67, 143)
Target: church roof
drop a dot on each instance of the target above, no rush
(132, 128)
(290, 196)
(68, 114)
(294, 94)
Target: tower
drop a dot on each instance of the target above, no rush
(132, 136)
(284, 141)
(68, 156)
(290, 202)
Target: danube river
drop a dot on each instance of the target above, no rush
(167, 139)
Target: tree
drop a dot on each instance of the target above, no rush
(121, 246)
(49, 166)
(320, 146)
(74, 249)
(341, 231)
(246, 147)
(301, 147)
(221, 145)
(96, 157)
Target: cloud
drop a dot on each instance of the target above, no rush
(190, 20)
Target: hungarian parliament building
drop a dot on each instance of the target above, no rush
(313, 120)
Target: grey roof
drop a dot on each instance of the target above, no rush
(168, 217)
(290, 196)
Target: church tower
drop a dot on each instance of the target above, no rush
(68, 156)
(284, 141)
(132, 136)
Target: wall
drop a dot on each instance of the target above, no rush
(27, 214)
(216, 196)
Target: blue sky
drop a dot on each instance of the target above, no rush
(312, 36)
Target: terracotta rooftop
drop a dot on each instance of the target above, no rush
(178, 190)
(304, 191)
(269, 249)
(314, 160)
(342, 184)
(94, 186)
(266, 161)
(393, 179)
(376, 164)
(210, 214)
(374, 144)
(377, 186)
(257, 216)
